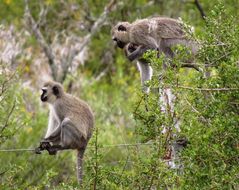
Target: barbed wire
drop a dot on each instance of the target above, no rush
(99, 147)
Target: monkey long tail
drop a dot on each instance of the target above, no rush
(80, 154)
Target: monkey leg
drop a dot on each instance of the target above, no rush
(65, 137)
(45, 144)
(168, 52)
(52, 150)
(55, 135)
(71, 137)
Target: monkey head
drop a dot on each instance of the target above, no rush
(51, 91)
(120, 34)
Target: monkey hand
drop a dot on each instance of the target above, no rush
(52, 151)
(38, 150)
(44, 145)
(131, 57)
(131, 47)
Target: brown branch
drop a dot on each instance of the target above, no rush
(8, 117)
(97, 24)
(199, 7)
(86, 40)
(42, 14)
(34, 30)
(208, 89)
(98, 77)
(5, 82)
(66, 63)
(193, 66)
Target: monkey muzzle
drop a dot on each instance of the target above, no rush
(119, 43)
(44, 95)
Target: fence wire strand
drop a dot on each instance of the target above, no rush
(100, 147)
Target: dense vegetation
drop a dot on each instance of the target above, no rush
(128, 148)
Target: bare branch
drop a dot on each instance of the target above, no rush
(102, 74)
(8, 117)
(42, 15)
(208, 89)
(34, 29)
(66, 61)
(86, 40)
(191, 65)
(199, 7)
(5, 82)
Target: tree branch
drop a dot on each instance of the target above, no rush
(34, 29)
(8, 117)
(102, 74)
(193, 66)
(208, 89)
(199, 7)
(86, 40)
(66, 62)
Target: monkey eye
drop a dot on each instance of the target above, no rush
(121, 28)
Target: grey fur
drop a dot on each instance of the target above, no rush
(157, 33)
(71, 123)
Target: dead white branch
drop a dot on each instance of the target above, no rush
(34, 29)
(72, 50)
(87, 39)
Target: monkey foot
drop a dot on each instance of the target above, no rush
(44, 145)
(52, 150)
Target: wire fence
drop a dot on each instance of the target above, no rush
(99, 147)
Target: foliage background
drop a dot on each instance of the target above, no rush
(111, 85)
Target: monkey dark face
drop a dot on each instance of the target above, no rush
(119, 43)
(120, 34)
(44, 94)
(51, 92)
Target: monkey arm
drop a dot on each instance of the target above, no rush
(193, 66)
(45, 143)
(52, 124)
(54, 134)
(137, 53)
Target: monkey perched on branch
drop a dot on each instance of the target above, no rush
(71, 123)
(157, 33)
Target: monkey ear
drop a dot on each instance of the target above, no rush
(55, 91)
(121, 28)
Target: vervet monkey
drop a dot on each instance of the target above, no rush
(71, 123)
(158, 33)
